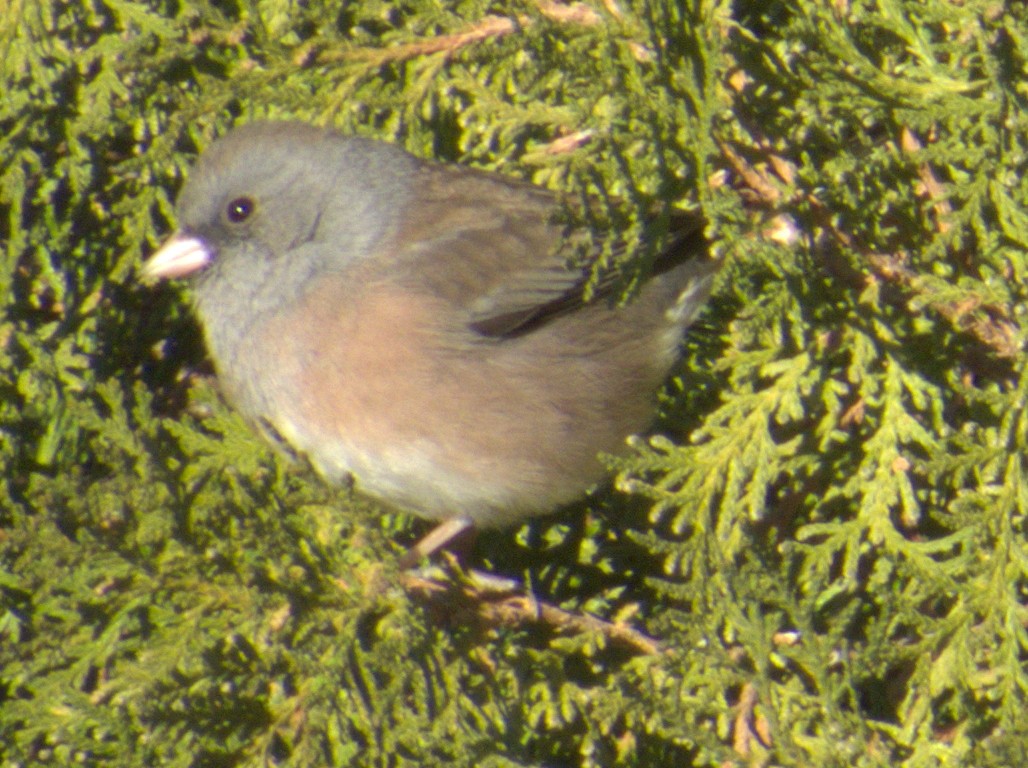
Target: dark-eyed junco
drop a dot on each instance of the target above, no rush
(417, 326)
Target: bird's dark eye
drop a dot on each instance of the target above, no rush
(239, 210)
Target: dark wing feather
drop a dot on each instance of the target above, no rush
(508, 263)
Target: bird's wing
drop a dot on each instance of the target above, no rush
(491, 246)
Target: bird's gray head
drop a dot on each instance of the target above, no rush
(271, 205)
(264, 190)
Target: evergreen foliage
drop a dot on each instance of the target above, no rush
(828, 539)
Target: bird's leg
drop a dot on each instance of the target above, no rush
(435, 540)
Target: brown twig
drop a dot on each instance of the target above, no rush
(504, 607)
(487, 28)
(741, 731)
(746, 726)
(933, 188)
(991, 326)
(517, 611)
(754, 179)
(568, 143)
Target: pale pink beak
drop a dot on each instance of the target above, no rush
(179, 256)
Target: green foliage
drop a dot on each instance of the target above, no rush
(830, 541)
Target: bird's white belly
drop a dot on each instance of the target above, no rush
(410, 476)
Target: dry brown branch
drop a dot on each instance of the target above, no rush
(504, 607)
(742, 731)
(568, 143)
(519, 610)
(933, 188)
(749, 723)
(992, 328)
(757, 181)
(488, 27)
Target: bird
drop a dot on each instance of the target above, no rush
(420, 328)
